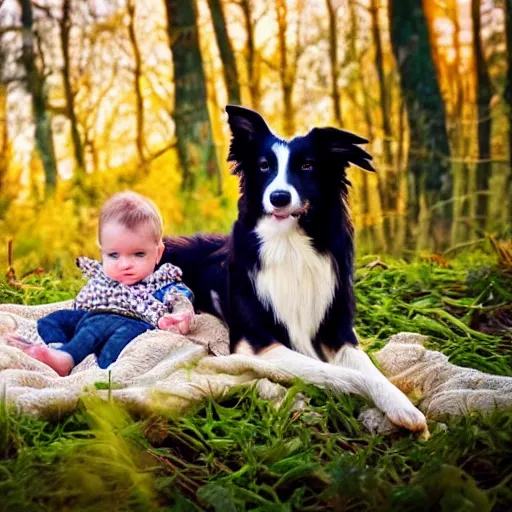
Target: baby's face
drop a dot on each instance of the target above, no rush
(128, 255)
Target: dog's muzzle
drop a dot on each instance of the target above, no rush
(284, 213)
(303, 210)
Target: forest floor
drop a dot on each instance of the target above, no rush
(243, 454)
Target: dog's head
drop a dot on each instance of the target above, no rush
(290, 181)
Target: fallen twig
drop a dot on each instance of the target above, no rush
(11, 272)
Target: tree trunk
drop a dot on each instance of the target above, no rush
(334, 63)
(382, 229)
(508, 94)
(196, 149)
(367, 111)
(227, 54)
(137, 75)
(37, 89)
(4, 148)
(4, 134)
(383, 92)
(371, 186)
(286, 73)
(387, 172)
(252, 59)
(460, 170)
(429, 179)
(78, 150)
(400, 235)
(366, 228)
(483, 98)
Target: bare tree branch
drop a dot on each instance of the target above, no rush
(47, 10)
(161, 151)
(57, 110)
(10, 28)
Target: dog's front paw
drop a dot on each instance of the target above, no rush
(407, 416)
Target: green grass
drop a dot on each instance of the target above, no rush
(243, 454)
(466, 310)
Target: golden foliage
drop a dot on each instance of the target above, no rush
(52, 233)
(503, 250)
(435, 259)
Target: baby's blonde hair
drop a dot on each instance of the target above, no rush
(132, 211)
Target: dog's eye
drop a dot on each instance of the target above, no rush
(307, 166)
(264, 167)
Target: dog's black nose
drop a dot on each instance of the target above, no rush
(280, 198)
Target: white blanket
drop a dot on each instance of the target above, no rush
(162, 371)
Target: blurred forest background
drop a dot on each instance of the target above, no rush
(102, 95)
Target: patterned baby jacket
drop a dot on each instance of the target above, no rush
(138, 301)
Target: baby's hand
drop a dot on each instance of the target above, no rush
(181, 322)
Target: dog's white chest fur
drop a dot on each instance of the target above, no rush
(295, 281)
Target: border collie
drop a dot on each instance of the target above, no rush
(282, 281)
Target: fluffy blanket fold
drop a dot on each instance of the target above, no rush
(162, 371)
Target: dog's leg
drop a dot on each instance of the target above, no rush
(314, 371)
(282, 364)
(352, 372)
(383, 393)
(362, 378)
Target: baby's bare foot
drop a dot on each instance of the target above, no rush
(60, 361)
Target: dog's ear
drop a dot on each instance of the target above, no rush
(342, 146)
(247, 128)
(246, 124)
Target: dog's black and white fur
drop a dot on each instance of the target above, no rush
(282, 280)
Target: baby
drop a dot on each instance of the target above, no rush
(124, 296)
